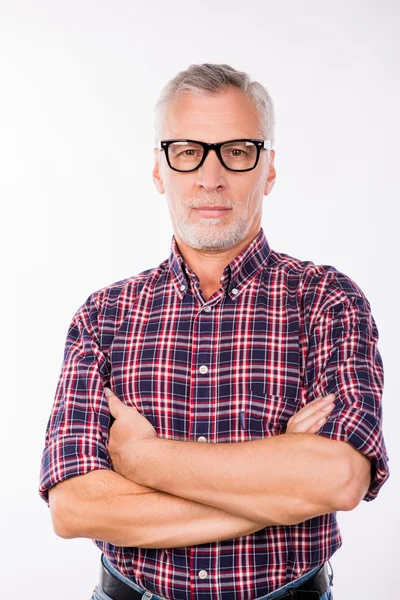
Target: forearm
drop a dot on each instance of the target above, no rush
(284, 479)
(111, 508)
(168, 521)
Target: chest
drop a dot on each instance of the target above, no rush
(225, 370)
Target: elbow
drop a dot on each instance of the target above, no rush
(350, 499)
(60, 509)
(60, 526)
(356, 481)
(61, 530)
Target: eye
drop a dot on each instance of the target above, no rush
(187, 152)
(235, 151)
(239, 152)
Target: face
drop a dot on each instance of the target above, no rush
(212, 208)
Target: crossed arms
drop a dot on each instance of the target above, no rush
(165, 494)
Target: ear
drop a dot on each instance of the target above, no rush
(269, 184)
(156, 172)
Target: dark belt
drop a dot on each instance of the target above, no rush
(312, 589)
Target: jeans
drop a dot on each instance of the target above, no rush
(98, 593)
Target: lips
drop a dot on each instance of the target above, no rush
(212, 211)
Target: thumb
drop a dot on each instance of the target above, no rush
(114, 403)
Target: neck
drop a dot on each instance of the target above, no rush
(209, 266)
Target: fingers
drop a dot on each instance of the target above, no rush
(114, 403)
(312, 416)
(316, 426)
(313, 407)
(315, 421)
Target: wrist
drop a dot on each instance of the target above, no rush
(142, 461)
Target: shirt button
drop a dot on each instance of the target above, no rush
(182, 288)
(235, 291)
(207, 308)
(203, 369)
(201, 439)
(203, 574)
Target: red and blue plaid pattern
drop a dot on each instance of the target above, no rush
(277, 334)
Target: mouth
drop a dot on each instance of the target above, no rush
(212, 211)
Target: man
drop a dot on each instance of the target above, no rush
(245, 385)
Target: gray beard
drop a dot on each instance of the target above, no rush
(209, 238)
(206, 234)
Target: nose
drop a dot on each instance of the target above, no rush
(211, 174)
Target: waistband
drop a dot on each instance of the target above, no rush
(147, 594)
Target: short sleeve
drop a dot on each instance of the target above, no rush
(343, 358)
(77, 429)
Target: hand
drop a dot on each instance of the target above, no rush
(128, 434)
(312, 416)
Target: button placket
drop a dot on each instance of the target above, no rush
(202, 364)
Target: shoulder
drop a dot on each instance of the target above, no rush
(318, 287)
(113, 302)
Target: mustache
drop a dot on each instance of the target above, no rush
(200, 202)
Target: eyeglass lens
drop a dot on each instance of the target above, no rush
(239, 156)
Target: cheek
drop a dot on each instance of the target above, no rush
(250, 197)
(177, 186)
(247, 186)
(257, 204)
(177, 210)
(257, 194)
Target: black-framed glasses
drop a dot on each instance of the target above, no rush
(235, 155)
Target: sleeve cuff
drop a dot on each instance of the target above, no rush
(68, 456)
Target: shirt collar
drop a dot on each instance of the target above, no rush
(235, 277)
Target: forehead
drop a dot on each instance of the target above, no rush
(226, 115)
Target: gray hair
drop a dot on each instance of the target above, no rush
(205, 79)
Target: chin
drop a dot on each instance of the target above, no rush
(211, 237)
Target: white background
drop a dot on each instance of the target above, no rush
(79, 210)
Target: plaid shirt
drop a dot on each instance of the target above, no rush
(277, 334)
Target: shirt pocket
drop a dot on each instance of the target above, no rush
(266, 415)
